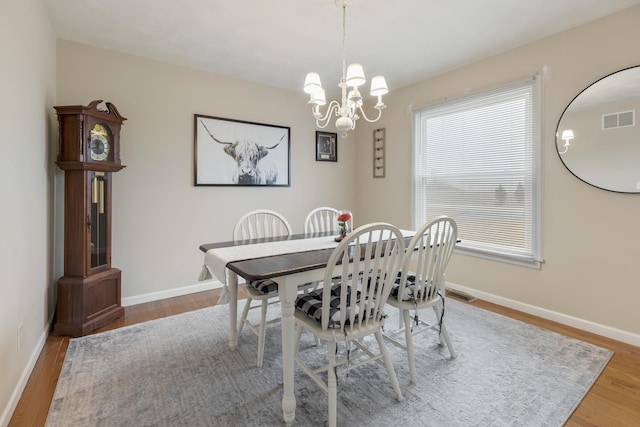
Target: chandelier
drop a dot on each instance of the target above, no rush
(352, 78)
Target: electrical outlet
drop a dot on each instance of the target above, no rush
(637, 185)
(20, 336)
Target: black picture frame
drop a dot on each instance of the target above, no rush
(326, 146)
(225, 153)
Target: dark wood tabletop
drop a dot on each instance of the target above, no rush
(280, 265)
(275, 265)
(272, 266)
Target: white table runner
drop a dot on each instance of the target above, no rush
(216, 260)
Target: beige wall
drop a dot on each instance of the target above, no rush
(590, 236)
(27, 88)
(159, 217)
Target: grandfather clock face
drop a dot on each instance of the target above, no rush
(101, 143)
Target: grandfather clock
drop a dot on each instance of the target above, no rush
(88, 152)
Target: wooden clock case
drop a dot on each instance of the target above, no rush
(89, 293)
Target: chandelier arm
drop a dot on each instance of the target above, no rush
(322, 126)
(367, 118)
(333, 106)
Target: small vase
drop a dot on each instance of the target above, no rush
(340, 237)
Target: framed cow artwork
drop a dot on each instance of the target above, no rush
(232, 152)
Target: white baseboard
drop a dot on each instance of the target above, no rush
(585, 325)
(7, 413)
(170, 293)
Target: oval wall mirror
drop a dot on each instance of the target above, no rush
(598, 137)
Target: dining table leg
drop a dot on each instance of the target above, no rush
(288, 293)
(233, 309)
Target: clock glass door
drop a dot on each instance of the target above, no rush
(99, 218)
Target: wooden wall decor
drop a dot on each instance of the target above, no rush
(378, 152)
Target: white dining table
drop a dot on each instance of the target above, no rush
(289, 261)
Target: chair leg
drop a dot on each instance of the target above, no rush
(408, 340)
(388, 364)
(245, 312)
(261, 335)
(444, 333)
(332, 384)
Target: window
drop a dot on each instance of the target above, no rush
(476, 159)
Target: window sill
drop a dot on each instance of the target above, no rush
(492, 256)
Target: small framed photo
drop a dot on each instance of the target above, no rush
(237, 153)
(326, 147)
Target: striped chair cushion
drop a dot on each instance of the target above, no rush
(409, 292)
(311, 305)
(265, 287)
(268, 286)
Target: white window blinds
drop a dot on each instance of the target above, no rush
(476, 160)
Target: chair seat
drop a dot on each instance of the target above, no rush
(311, 304)
(269, 288)
(409, 292)
(264, 287)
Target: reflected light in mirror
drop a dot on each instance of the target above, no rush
(567, 135)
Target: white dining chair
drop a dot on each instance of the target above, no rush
(324, 219)
(366, 264)
(423, 286)
(258, 224)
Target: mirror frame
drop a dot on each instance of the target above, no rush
(558, 139)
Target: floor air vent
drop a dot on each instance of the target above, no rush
(454, 293)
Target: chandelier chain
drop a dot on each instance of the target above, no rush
(344, 43)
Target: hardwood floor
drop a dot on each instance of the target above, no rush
(614, 400)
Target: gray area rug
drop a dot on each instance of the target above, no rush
(179, 371)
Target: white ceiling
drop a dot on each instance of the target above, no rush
(276, 42)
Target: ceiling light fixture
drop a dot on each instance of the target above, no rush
(352, 78)
(567, 135)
